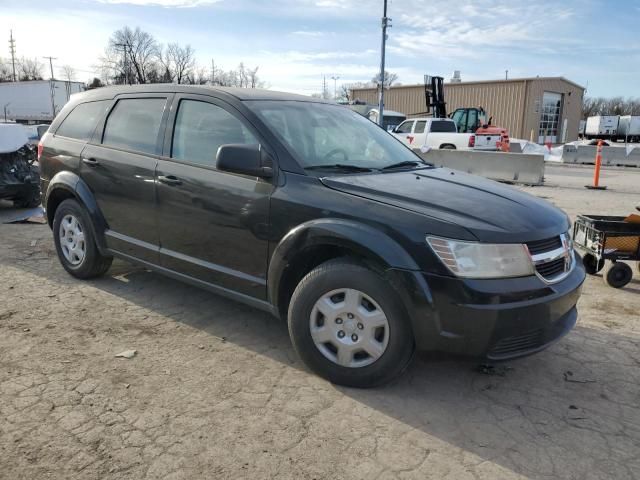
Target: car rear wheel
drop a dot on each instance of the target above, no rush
(75, 243)
(447, 147)
(617, 274)
(349, 326)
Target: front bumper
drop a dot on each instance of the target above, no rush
(491, 319)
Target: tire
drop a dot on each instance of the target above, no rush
(591, 264)
(617, 274)
(447, 147)
(86, 262)
(392, 344)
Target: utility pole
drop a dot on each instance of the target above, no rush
(12, 50)
(52, 86)
(385, 25)
(125, 61)
(51, 59)
(335, 79)
(213, 73)
(324, 87)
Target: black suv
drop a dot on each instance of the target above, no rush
(312, 212)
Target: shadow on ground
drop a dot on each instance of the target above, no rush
(541, 416)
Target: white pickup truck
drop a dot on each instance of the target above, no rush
(440, 133)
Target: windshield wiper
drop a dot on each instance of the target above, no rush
(406, 163)
(339, 166)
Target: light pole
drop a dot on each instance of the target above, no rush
(335, 79)
(385, 24)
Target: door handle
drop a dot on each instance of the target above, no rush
(169, 180)
(91, 162)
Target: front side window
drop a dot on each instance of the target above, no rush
(201, 128)
(82, 120)
(134, 124)
(405, 127)
(320, 134)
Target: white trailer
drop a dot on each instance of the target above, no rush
(602, 126)
(37, 101)
(629, 128)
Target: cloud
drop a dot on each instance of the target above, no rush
(309, 33)
(163, 3)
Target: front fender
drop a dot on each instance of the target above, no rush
(78, 188)
(363, 240)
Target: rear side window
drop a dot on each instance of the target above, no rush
(442, 126)
(419, 126)
(82, 120)
(134, 123)
(200, 130)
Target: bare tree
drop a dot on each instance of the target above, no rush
(389, 79)
(30, 69)
(610, 106)
(6, 72)
(68, 73)
(178, 62)
(131, 55)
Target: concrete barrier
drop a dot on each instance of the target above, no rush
(611, 156)
(520, 168)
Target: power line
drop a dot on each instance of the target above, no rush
(51, 59)
(125, 59)
(385, 24)
(12, 50)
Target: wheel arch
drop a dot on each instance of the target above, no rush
(315, 242)
(67, 185)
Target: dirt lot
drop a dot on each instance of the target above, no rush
(215, 390)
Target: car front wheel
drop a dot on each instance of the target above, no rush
(349, 325)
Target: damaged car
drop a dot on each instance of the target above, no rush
(19, 174)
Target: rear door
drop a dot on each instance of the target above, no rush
(119, 167)
(213, 225)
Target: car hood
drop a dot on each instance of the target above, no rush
(491, 211)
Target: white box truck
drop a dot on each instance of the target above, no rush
(38, 101)
(629, 128)
(602, 126)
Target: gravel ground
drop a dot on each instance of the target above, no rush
(215, 389)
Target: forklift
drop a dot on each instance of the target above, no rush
(467, 119)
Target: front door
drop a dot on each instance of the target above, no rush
(119, 167)
(404, 132)
(213, 225)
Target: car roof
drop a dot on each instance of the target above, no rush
(238, 93)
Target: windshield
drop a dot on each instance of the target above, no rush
(323, 134)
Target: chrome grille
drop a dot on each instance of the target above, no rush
(541, 246)
(552, 257)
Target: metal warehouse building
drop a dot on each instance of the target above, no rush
(538, 108)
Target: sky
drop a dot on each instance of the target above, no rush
(297, 42)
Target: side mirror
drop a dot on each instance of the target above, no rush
(245, 159)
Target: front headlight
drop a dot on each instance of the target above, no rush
(483, 260)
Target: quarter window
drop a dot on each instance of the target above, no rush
(134, 124)
(201, 128)
(82, 120)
